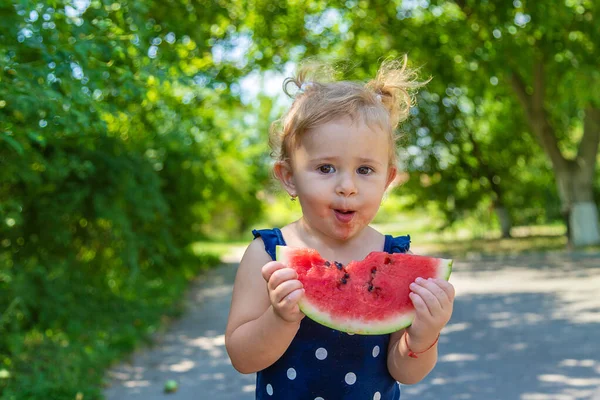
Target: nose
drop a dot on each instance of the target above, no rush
(346, 185)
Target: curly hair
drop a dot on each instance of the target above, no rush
(382, 102)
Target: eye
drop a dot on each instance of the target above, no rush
(364, 170)
(326, 169)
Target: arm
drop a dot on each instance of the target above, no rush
(405, 369)
(433, 300)
(264, 316)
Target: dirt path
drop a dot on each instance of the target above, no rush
(524, 327)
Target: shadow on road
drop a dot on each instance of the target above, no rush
(524, 327)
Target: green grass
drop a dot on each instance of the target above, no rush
(464, 248)
(536, 239)
(476, 234)
(467, 238)
(220, 248)
(463, 239)
(458, 248)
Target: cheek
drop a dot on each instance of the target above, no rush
(309, 187)
(375, 198)
(313, 203)
(311, 197)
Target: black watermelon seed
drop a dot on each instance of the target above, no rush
(343, 280)
(338, 265)
(373, 270)
(370, 286)
(346, 275)
(327, 263)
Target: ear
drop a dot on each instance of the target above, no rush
(392, 171)
(283, 171)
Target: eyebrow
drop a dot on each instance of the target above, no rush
(361, 160)
(369, 161)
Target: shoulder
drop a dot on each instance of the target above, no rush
(249, 271)
(255, 253)
(372, 235)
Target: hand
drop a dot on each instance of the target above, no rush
(433, 300)
(285, 290)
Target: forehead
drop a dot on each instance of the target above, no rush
(346, 135)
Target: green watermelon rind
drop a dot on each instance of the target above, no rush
(359, 327)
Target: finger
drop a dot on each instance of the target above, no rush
(433, 304)
(419, 303)
(438, 292)
(292, 299)
(447, 287)
(285, 289)
(280, 276)
(270, 267)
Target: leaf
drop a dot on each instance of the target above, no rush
(14, 144)
(36, 137)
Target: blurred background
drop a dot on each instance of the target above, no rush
(133, 150)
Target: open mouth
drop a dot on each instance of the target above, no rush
(344, 215)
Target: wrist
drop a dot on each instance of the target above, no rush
(416, 346)
(279, 320)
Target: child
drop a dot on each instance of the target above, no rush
(336, 153)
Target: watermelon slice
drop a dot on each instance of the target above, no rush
(368, 297)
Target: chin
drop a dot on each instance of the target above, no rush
(345, 234)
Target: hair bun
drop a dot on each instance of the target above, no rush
(396, 84)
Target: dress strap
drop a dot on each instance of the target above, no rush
(398, 244)
(271, 238)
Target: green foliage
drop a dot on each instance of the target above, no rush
(123, 139)
(470, 142)
(61, 331)
(118, 148)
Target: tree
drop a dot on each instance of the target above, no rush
(118, 147)
(529, 46)
(487, 47)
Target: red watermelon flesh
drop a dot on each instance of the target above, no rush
(366, 297)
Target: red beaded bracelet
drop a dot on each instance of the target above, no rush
(411, 353)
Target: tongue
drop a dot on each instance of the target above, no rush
(344, 216)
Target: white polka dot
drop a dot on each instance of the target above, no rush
(377, 396)
(319, 398)
(350, 333)
(375, 351)
(270, 390)
(321, 353)
(350, 378)
(291, 373)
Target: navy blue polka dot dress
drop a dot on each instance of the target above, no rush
(325, 364)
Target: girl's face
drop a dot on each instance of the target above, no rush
(340, 172)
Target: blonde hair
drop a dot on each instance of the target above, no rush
(383, 102)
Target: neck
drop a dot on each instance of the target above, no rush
(328, 247)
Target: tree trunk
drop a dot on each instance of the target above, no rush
(574, 177)
(505, 222)
(575, 189)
